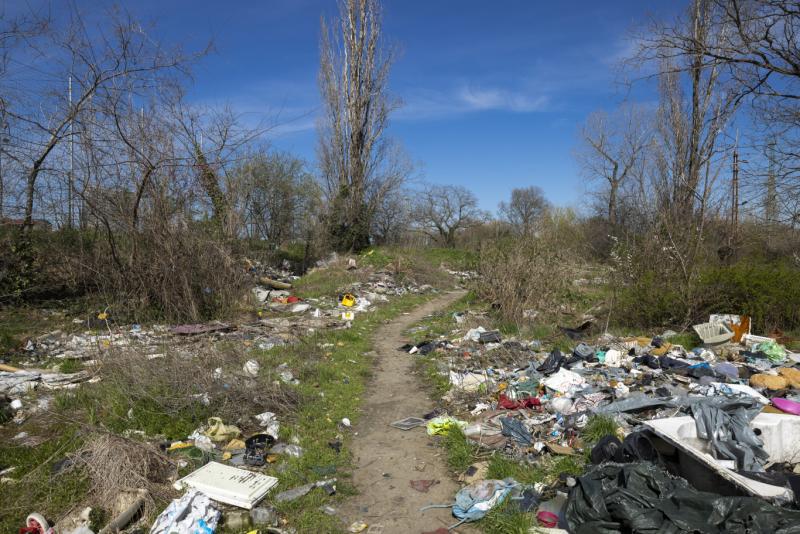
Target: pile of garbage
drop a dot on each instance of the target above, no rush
(227, 464)
(722, 416)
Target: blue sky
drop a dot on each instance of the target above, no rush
(493, 91)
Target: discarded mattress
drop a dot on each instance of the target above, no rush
(779, 433)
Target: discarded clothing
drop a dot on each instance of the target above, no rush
(516, 430)
(218, 431)
(474, 501)
(642, 497)
(526, 402)
(552, 363)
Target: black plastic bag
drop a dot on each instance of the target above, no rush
(643, 497)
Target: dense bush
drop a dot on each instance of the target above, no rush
(769, 292)
(531, 272)
(158, 272)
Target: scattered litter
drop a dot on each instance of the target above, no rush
(422, 485)
(193, 512)
(408, 423)
(295, 493)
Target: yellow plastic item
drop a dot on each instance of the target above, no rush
(442, 425)
(179, 445)
(102, 316)
(234, 444)
(348, 299)
(218, 431)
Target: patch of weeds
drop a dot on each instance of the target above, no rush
(599, 426)
(508, 328)
(427, 368)
(378, 258)
(507, 519)
(501, 467)
(112, 405)
(688, 340)
(37, 488)
(572, 465)
(460, 452)
(70, 366)
(324, 282)
(98, 518)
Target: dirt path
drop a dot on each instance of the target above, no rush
(388, 458)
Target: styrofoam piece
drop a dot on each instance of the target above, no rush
(750, 339)
(780, 434)
(713, 333)
(229, 485)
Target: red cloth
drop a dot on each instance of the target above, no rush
(508, 404)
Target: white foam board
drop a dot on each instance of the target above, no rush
(229, 485)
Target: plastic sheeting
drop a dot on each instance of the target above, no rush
(727, 426)
(642, 497)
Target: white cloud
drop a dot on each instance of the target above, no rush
(432, 104)
(480, 99)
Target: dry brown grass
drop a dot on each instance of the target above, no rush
(115, 464)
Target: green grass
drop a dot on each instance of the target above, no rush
(70, 366)
(37, 489)
(460, 452)
(688, 340)
(324, 283)
(507, 519)
(597, 427)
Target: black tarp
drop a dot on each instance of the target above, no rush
(643, 497)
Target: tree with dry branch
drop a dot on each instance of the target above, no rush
(613, 149)
(354, 154)
(526, 207)
(444, 211)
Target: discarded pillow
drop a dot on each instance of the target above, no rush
(768, 381)
(791, 375)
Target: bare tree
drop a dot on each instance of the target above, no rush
(443, 211)
(118, 57)
(757, 46)
(613, 149)
(526, 207)
(392, 218)
(354, 70)
(690, 124)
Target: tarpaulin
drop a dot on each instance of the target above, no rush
(642, 497)
(727, 426)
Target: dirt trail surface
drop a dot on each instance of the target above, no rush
(387, 458)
